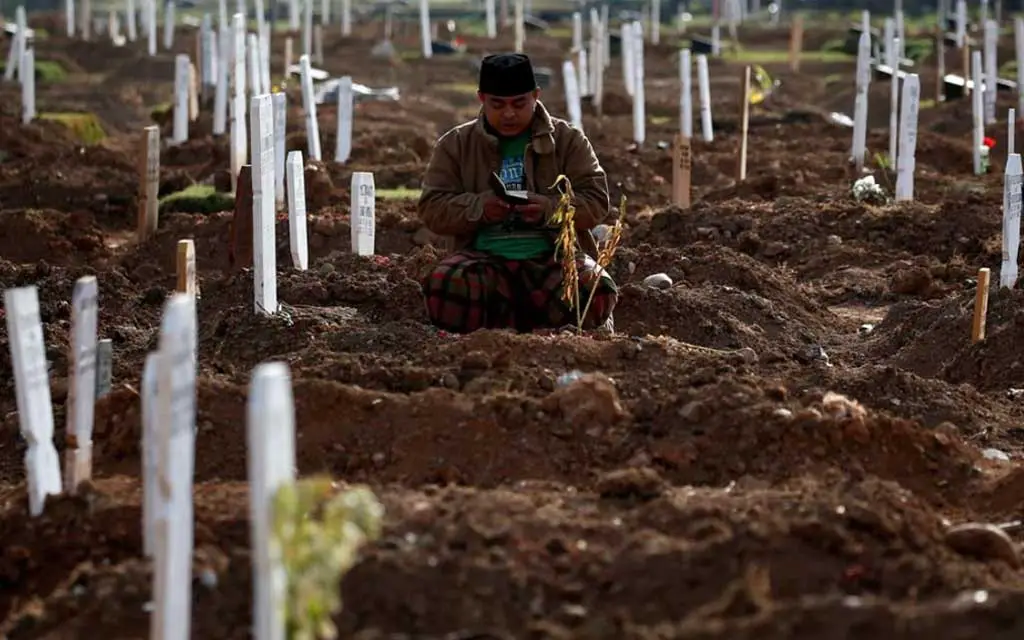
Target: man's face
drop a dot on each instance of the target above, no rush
(512, 115)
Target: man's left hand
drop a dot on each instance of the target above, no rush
(538, 210)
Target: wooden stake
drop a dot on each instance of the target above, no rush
(741, 169)
(681, 169)
(980, 305)
(193, 93)
(149, 183)
(186, 267)
(240, 250)
(796, 43)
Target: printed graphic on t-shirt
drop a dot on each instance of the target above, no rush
(511, 173)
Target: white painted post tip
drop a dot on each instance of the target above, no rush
(264, 215)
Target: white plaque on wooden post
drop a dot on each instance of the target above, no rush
(176, 421)
(263, 214)
(298, 239)
(280, 104)
(910, 104)
(1011, 221)
(309, 105)
(271, 441)
(704, 91)
(346, 102)
(363, 214)
(32, 392)
(253, 64)
(81, 399)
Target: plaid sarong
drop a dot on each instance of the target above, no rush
(471, 290)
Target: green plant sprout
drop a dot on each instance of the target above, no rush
(319, 533)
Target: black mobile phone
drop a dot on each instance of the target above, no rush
(499, 190)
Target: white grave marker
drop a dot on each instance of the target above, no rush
(82, 388)
(1011, 221)
(265, 50)
(220, 96)
(362, 218)
(977, 110)
(253, 65)
(892, 60)
(490, 19)
(860, 109)
(911, 103)
(626, 35)
(346, 102)
(182, 75)
(686, 94)
(150, 453)
(297, 234)
(961, 23)
(280, 103)
(104, 366)
(132, 23)
(572, 95)
(1018, 42)
(1011, 125)
(271, 441)
(239, 143)
(150, 13)
(28, 85)
(309, 105)
(425, 40)
(520, 25)
(176, 422)
(704, 91)
(991, 70)
(263, 215)
(32, 392)
(69, 17)
(169, 20)
(639, 106)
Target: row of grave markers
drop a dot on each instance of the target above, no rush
(168, 399)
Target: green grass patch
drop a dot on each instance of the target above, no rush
(47, 71)
(401, 193)
(198, 198)
(85, 126)
(781, 56)
(468, 88)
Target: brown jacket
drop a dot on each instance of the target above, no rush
(455, 184)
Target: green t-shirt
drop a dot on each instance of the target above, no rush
(512, 238)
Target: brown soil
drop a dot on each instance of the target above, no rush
(705, 482)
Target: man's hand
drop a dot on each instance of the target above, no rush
(539, 209)
(495, 210)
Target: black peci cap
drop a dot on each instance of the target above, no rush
(506, 75)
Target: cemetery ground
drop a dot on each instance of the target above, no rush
(776, 446)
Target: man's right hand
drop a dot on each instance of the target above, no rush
(495, 210)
